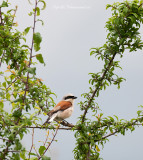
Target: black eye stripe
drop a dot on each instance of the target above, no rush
(69, 97)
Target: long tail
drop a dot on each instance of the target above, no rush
(47, 121)
(50, 118)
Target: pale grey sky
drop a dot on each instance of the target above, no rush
(71, 28)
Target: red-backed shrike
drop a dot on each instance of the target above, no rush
(62, 110)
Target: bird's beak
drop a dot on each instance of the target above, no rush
(74, 97)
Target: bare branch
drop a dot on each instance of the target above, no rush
(11, 84)
(32, 142)
(111, 134)
(38, 127)
(1, 20)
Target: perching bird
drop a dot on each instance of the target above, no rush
(62, 110)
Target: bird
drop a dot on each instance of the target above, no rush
(63, 109)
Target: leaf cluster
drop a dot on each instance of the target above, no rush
(23, 95)
(123, 34)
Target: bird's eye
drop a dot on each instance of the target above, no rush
(69, 97)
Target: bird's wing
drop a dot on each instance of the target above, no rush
(61, 106)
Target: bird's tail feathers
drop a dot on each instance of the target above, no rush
(50, 118)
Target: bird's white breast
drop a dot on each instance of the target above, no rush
(66, 113)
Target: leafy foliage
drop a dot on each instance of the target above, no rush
(20, 90)
(123, 34)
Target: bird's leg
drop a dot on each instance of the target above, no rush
(65, 121)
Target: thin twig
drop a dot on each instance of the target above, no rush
(140, 5)
(50, 143)
(13, 151)
(11, 84)
(26, 84)
(14, 13)
(36, 152)
(1, 20)
(31, 50)
(46, 138)
(32, 142)
(111, 134)
(88, 153)
(4, 139)
(116, 131)
(33, 32)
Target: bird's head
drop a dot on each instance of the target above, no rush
(69, 97)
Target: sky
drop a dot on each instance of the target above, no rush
(71, 28)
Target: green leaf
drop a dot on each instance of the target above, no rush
(25, 46)
(111, 129)
(33, 154)
(4, 84)
(38, 11)
(116, 117)
(111, 118)
(37, 38)
(21, 135)
(34, 158)
(31, 13)
(32, 70)
(123, 131)
(46, 158)
(18, 145)
(39, 20)
(24, 39)
(1, 105)
(42, 149)
(36, 47)
(8, 96)
(39, 57)
(22, 155)
(44, 4)
(4, 4)
(17, 113)
(26, 30)
(108, 5)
